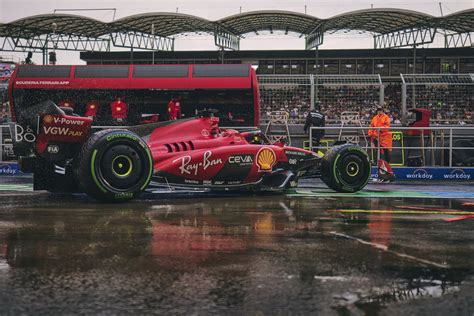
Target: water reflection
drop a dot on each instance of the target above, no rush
(221, 253)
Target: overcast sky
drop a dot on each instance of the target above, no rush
(11, 10)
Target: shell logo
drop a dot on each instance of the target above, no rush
(266, 158)
(48, 119)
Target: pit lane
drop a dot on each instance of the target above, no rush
(390, 249)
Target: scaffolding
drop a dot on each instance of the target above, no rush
(450, 97)
(298, 94)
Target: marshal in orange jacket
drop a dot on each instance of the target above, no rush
(381, 120)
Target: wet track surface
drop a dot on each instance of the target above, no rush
(308, 252)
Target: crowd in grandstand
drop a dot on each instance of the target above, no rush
(294, 100)
(449, 104)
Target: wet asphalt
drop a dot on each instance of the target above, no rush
(252, 255)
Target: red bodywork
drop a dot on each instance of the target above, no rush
(62, 129)
(197, 153)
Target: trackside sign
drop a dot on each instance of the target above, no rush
(9, 169)
(431, 174)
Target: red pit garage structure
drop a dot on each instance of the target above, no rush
(61, 150)
(146, 89)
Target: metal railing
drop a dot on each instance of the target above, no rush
(441, 143)
(441, 149)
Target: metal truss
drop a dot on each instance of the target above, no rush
(8, 45)
(315, 38)
(459, 40)
(54, 42)
(141, 40)
(226, 40)
(414, 36)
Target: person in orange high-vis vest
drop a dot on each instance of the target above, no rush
(381, 120)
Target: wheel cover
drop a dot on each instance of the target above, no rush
(122, 166)
(352, 170)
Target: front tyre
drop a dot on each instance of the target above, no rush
(346, 168)
(114, 166)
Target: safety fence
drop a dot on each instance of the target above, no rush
(412, 147)
(450, 97)
(298, 94)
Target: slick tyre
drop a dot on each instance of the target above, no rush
(346, 168)
(114, 166)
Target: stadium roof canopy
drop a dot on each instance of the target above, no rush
(156, 31)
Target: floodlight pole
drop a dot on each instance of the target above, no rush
(153, 43)
(316, 92)
(414, 72)
(45, 55)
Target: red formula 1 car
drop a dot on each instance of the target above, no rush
(117, 164)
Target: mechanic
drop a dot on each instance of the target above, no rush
(67, 103)
(381, 120)
(317, 119)
(91, 108)
(119, 110)
(174, 109)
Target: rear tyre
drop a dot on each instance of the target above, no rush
(346, 168)
(114, 166)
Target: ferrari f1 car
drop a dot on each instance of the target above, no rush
(66, 155)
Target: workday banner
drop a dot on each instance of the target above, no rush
(9, 169)
(432, 174)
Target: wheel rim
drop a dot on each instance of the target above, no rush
(353, 171)
(122, 166)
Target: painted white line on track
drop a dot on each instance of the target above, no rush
(385, 248)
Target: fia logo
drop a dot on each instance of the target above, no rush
(53, 149)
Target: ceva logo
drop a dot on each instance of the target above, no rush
(457, 174)
(420, 174)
